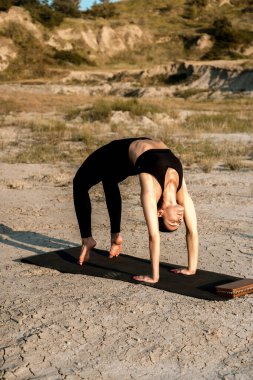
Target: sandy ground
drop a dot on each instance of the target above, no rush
(65, 326)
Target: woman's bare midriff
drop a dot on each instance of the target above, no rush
(138, 147)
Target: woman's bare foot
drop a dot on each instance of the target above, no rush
(87, 244)
(116, 245)
(146, 278)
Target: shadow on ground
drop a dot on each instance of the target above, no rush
(201, 285)
(30, 241)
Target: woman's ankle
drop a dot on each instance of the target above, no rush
(116, 238)
(89, 241)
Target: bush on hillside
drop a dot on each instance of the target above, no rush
(39, 11)
(24, 3)
(46, 15)
(31, 55)
(192, 8)
(73, 57)
(5, 5)
(223, 31)
(69, 8)
(238, 3)
(225, 39)
(165, 9)
(105, 9)
(197, 3)
(21, 36)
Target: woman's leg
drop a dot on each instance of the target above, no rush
(88, 175)
(114, 206)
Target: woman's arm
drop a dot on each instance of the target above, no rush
(192, 242)
(149, 204)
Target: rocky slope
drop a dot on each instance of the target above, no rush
(103, 41)
(186, 79)
(28, 50)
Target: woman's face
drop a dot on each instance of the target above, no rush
(172, 216)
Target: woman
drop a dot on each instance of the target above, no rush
(164, 197)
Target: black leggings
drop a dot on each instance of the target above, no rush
(111, 165)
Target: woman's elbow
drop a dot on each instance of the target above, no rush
(193, 233)
(154, 237)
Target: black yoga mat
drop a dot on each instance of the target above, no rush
(201, 285)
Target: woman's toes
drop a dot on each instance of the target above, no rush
(115, 250)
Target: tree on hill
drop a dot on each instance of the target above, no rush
(67, 7)
(5, 5)
(23, 3)
(104, 9)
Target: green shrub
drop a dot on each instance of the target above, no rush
(233, 163)
(224, 122)
(24, 3)
(185, 94)
(102, 109)
(40, 152)
(31, 54)
(225, 39)
(223, 31)
(135, 107)
(69, 8)
(190, 12)
(105, 9)
(192, 8)
(39, 11)
(51, 131)
(71, 57)
(199, 3)
(5, 5)
(165, 9)
(46, 15)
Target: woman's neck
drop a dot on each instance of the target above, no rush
(169, 194)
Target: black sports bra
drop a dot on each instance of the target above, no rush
(156, 162)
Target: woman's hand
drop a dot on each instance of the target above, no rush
(184, 271)
(145, 279)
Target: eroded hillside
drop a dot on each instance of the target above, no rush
(138, 34)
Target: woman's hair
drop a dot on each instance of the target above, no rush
(162, 227)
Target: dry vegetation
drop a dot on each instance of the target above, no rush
(203, 133)
(170, 29)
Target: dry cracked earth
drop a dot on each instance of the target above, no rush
(71, 326)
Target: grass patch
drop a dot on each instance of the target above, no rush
(39, 153)
(47, 138)
(233, 163)
(51, 146)
(48, 131)
(185, 94)
(8, 105)
(206, 153)
(102, 109)
(83, 134)
(217, 123)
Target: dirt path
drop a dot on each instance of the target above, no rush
(64, 326)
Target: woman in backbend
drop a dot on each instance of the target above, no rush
(164, 197)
